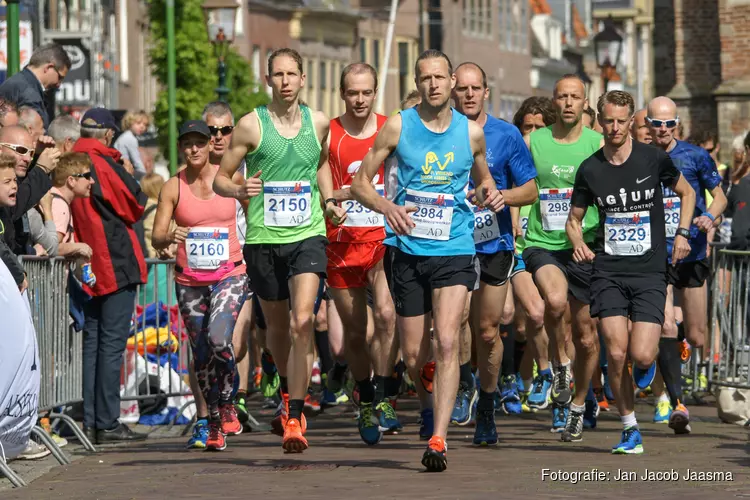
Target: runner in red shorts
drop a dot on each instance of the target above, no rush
(355, 256)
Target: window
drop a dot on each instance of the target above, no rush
(376, 54)
(524, 27)
(321, 85)
(501, 22)
(403, 69)
(508, 27)
(465, 17)
(256, 66)
(363, 50)
(472, 15)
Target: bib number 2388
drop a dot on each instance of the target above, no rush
(433, 216)
(554, 206)
(286, 203)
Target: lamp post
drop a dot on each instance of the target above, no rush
(221, 16)
(14, 45)
(608, 47)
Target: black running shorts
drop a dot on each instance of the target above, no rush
(640, 297)
(688, 274)
(578, 275)
(496, 268)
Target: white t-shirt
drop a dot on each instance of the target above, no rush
(19, 368)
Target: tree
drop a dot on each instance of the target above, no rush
(196, 64)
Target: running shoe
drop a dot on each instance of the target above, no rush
(315, 375)
(559, 417)
(240, 408)
(271, 402)
(601, 399)
(561, 393)
(662, 412)
(369, 428)
(59, 440)
(216, 440)
(426, 424)
(278, 424)
(33, 451)
(679, 420)
(643, 378)
(525, 408)
(509, 396)
(230, 424)
(630, 443)
(485, 433)
(686, 351)
(573, 431)
(388, 419)
(608, 390)
(311, 404)
(540, 392)
(269, 384)
(427, 375)
(465, 399)
(328, 398)
(434, 458)
(200, 435)
(257, 377)
(294, 441)
(591, 412)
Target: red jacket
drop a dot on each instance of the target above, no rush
(105, 220)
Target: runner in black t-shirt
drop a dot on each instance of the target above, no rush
(624, 180)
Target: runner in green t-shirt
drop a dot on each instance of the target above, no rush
(558, 150)
(287, 178)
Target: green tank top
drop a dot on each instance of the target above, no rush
(288, 210)
(523, 221)
(556, 167)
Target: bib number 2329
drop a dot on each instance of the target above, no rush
(286, 203)
(433, 216)
(554, 206)
(627, 234)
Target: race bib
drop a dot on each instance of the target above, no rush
(207, 247)
(286, 203)
(433, 216)
(485, 225)
(554, 205)
(627, 234)
(357, 215)
(524, 221)
(671, 215)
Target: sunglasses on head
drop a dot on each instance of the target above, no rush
(224, 130)
(667, 123)
(21, 150)
(85, 175)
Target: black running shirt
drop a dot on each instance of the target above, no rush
(631, 237)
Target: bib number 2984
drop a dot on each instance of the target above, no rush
(286, 203)
(433, 216)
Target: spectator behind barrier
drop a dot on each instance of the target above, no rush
(738, 199)
(29, 118)
(65, 131)
(133, 125)
(105, 222)
(8, 113)
(8, 194)
(72, 179)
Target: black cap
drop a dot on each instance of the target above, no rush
(194, 127)
(100, 118)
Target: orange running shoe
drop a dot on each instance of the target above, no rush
(278, 424)
(427, 374)
(216, 440)
(312, 404)
(685, 351)
(257, 376)
(294, 441)
(230, 424)
(434, 458)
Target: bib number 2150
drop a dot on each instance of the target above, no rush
(286, 203)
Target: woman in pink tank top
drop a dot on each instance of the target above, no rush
(210, 275)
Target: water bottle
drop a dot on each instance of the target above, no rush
(88, 275)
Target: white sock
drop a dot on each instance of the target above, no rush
(663, 397)
(577, 409)
(628, 420)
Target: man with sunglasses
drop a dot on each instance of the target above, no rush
(47, 68)
(689, 275)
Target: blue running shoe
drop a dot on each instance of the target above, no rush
(631, 443)
(369, 428)
(644, 378)
(662, 412)
(465, 399)
(559, 417)
(509, 396)
(540, 391)
(486, 432)
(590, 414)
(200, 435)
(387, 418)
(519, 383)
(427, 424)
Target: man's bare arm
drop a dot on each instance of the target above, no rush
(245, 138)
(386, 141)
(520, 196)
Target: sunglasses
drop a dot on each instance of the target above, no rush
(85, 175)
(21, 150)
(667, 123)
(224, 130)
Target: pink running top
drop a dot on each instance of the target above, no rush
(211, 251)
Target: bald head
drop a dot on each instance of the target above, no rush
(662, 106)
(17, 137)
(663, 121)
(639, 130)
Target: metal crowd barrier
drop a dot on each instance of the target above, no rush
(729, 362)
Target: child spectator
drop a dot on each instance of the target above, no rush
(72, 179)
(8, 190)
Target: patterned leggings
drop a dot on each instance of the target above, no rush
(209, 314)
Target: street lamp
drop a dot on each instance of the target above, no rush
(608, 46)
(221, 16)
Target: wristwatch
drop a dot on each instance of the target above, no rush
(683, 232)
(330, 200)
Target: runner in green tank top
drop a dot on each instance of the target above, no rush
(288, 176)
(558, 150)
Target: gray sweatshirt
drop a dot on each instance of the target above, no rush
(127, 145)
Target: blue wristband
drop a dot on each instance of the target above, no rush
(708, 214)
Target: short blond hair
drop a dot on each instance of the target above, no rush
(70, 164)
(7, 161)
(132, 117)
(151, 184)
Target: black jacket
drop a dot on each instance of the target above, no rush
(24, 89)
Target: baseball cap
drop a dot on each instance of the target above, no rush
(100, 118)
(194, 127)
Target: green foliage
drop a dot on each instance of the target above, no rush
(196, 63)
